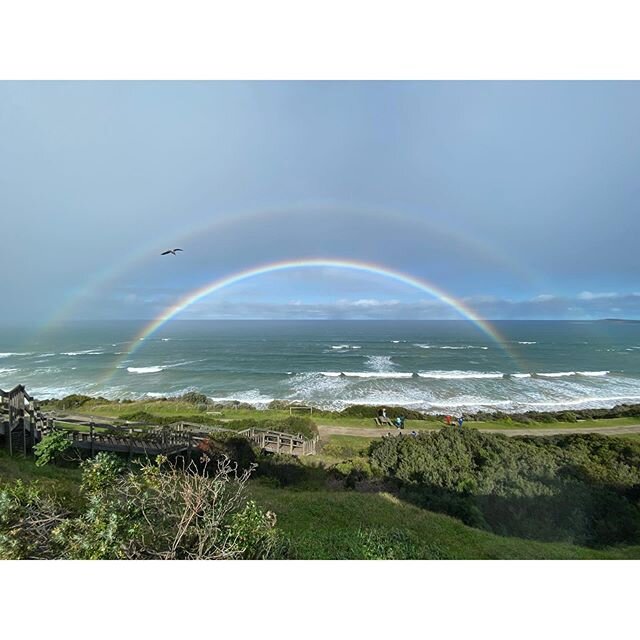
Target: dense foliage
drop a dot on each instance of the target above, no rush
(51, 448)
(582, 488)
(157, 511)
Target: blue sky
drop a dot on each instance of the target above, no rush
(520, 198)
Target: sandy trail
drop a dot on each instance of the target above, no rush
(334, 430)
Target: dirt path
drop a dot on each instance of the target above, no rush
(333, 430)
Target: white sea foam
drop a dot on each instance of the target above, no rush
(166, 339)
(8, 354)
(593, 374)
(380, 363)
(467, 346)
(556, 374)
(460, 375)
(2, 370)
(448, 346)
(526, 342)
(520, 375)
(252, 396)
(340, 346)
(145, 369)
(377, 374)
(88, 352)
(331, 374)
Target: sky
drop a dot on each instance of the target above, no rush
(520, 199)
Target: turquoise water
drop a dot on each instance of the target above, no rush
(437, 366)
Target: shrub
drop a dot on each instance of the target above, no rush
(292, 424)
(72, 401)
(223, 444)
(353, 471)
(547, 488)
(278, 405)
(158, 511)
(28, 517)
(193, 397)
(51, 448)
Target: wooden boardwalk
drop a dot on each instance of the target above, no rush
(22, 425)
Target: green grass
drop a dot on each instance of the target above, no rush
(327, 525)
(582, 424)
(176, 408)
(64, 481)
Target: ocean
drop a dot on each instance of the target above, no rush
(436, 366)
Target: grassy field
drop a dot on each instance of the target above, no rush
(65, 482)
(330, 525)
(342, 524)
(185, 410)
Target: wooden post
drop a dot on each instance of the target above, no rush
(24, 435)
(10, 434)
(92, 435)
(130, 444)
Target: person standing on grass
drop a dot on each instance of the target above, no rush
(460, 421)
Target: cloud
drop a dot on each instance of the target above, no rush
(587, 295)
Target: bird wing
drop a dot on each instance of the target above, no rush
(177, 249)
(164, 253)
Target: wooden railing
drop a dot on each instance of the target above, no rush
(279, 442)
(26, 424)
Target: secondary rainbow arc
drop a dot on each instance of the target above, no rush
(151, 248)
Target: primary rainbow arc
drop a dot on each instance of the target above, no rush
(195, 295)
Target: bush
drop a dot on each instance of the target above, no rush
(223, 444)
(193, 397)
(28, 517)
(159, 511)
(548, 488)
(72, 401)
(51, 448)
(292, 424)
(353, 471)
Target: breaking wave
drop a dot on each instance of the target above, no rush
(88, 352)
(145, 369)
(460, 375)
(448, 346)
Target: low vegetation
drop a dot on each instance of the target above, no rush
(438, 493)
(578, 488)
(158, 511)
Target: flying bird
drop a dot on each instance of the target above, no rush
(172, 251)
